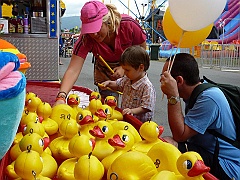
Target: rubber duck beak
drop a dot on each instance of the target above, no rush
(198, 168)
(86, 120)
(97, 132)
(46, 141)
(116, 141)
(111, 102)
(72, 101)
(100, 113)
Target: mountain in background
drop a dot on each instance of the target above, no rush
(70, 22)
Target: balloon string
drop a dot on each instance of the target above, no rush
(172, 61)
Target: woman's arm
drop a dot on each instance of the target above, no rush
(71, 75)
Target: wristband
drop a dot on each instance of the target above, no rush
(61, 98)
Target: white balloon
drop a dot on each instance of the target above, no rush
(192, 15)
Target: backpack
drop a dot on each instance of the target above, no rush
(232, 93)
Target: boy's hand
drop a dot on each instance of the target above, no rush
(127, 111)
(104, 85)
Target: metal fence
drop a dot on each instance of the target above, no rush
(214, 55)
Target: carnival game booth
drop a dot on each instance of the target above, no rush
(33, 27)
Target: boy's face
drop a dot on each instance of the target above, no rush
(132, 73)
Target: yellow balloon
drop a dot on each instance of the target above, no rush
(175, 34)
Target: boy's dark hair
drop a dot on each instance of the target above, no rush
(135, 56)
(186, 66)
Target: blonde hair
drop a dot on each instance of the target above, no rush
(113, 18)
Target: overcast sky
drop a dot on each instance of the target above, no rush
(73, 7)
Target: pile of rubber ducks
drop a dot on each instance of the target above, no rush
(68, 142)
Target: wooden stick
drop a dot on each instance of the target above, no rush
(105, 63)
(101, 85)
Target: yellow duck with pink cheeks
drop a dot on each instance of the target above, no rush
(79, 145)
(45, 110)
(102, 131)
(122, 141)
(150, 133)
(190, 166)
(132, 165)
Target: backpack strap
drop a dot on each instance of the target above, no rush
(199, 89)
(217, 134)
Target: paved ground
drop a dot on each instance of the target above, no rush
(86, 80)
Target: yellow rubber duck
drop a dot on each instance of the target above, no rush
(32, 103)
(190, 166)
(95, 95)
(28, 165)
(86, 121)
(94, 105)
(112, 102)
(88, 167)
(123, 125)
(66, 169)
(30, 117)
(62, 112)
(73, 100)
(132, 165)
(59, 146)
(164, 156)
(44, 110)
(104, 112)
(102, 131)
(87, 145)
(122, 141)
(150, 132)
(34, 127)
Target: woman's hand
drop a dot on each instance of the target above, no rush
(118, 72)
(60, 101)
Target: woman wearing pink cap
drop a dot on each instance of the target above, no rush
(104, 32)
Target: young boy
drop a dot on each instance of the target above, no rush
(139, 94)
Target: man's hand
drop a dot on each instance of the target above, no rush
(168, 85)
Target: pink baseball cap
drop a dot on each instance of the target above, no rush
(91, 16)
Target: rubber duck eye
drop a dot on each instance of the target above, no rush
(107, 111)
(41, 142)
(115, 100)
(157, 130)
(104, 129)
(105, 101)
(80, 117)
(187, 164)
(98, 96)
(125, 138)
(77, 98)
(29, 101)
